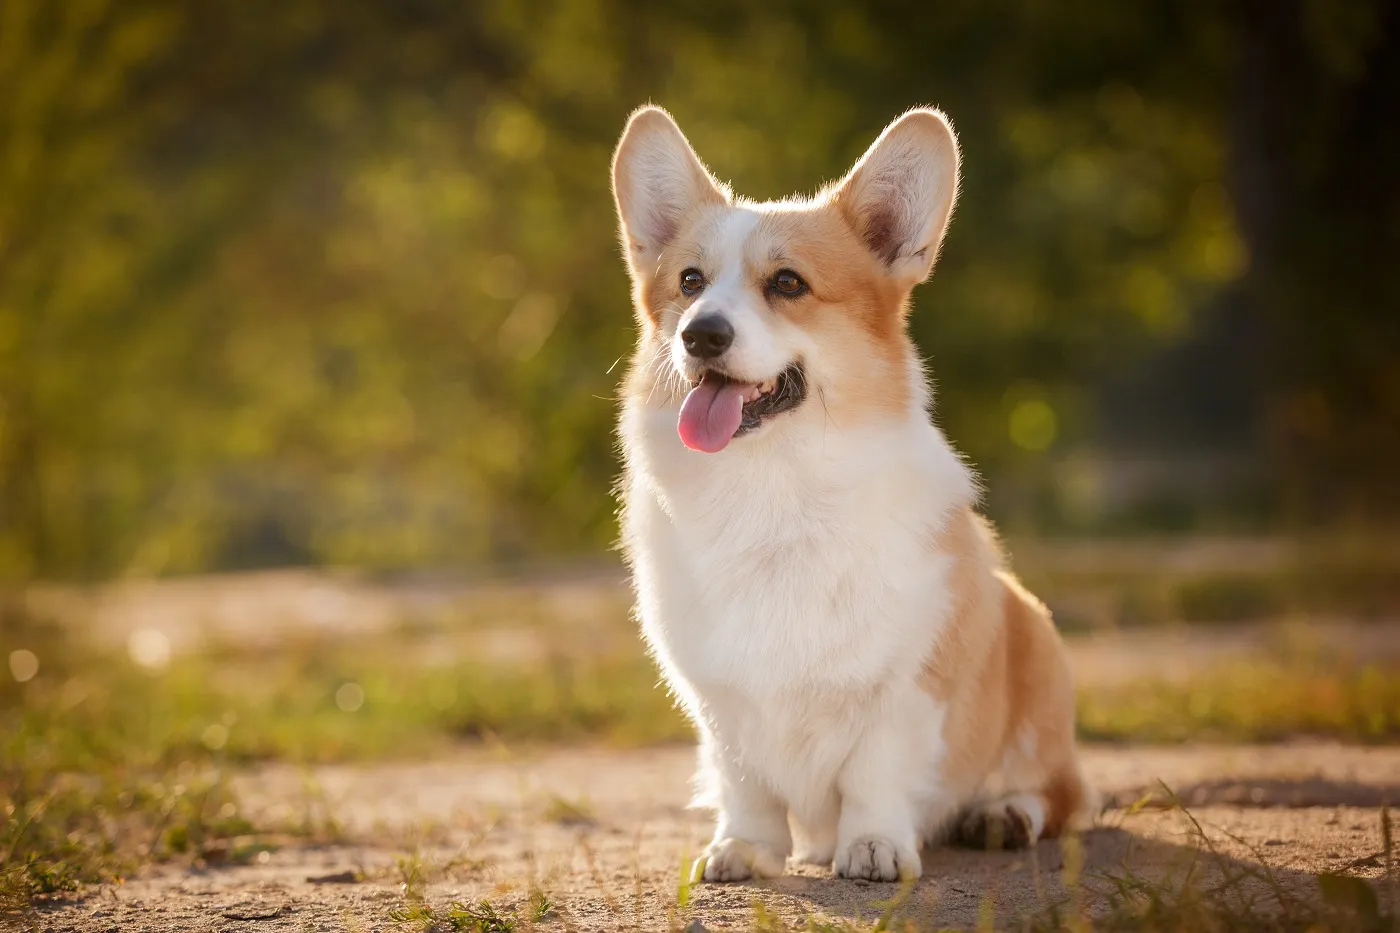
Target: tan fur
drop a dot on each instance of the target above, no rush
(1000, 667)
(852, 308)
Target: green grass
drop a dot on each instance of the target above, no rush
(61, 831)
(481, 917)
(1262, 700)
(467, 917)
(1135, 583)
(87, 707)
(94, 783)
(567, 812)
(90, 711)
(416, 913)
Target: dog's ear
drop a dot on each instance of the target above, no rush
(899, 196)
(657, 180)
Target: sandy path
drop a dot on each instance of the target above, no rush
(489, 824)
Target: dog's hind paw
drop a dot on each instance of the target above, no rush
(1002, 824)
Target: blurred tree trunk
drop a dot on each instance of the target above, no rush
(1315, 177)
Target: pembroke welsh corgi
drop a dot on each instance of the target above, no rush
(864, 673)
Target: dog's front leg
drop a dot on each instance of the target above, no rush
(887, 787)
(751, 835)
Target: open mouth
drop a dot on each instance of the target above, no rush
(720, 408)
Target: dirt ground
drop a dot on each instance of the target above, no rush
(603, 833)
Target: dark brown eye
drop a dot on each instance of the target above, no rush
(788, 284)
(692, 281)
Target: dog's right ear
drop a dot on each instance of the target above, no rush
(900, 195)
(657, 180)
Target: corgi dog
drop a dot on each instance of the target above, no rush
(864, 673)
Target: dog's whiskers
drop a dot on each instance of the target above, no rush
(672, 380)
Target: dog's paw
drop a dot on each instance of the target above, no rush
(998, 825)
(739, 860)
(877, 859)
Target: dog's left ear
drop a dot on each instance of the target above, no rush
(900, 195)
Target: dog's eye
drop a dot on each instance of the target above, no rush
(788, 284)
(692, 281)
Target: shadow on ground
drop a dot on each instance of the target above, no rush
(1154, 852)
(1273, 792)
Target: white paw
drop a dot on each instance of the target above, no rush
(877, 859)
(738, 860)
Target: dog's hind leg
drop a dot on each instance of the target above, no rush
(1019, 819)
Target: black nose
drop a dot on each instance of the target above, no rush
(707, 336)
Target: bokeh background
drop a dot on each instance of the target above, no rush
(312, 319)
(321, 282)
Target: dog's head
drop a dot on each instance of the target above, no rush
(755, 309)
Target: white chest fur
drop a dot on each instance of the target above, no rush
(787, 582)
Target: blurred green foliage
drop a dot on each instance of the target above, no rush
(338, 281)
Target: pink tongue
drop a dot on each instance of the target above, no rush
(711, 414)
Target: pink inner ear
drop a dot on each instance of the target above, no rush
(879, 234)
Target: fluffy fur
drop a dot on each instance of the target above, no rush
(823, 600)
